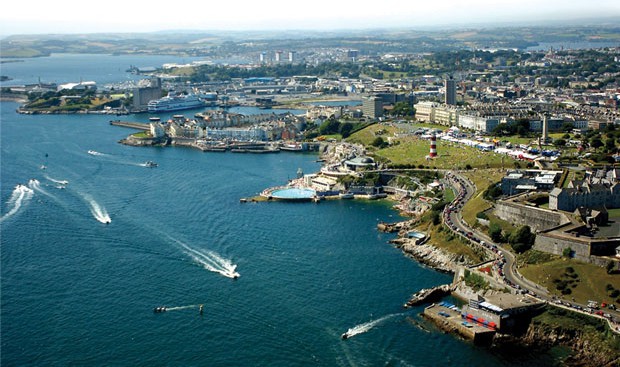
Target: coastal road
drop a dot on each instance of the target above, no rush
(505, 259)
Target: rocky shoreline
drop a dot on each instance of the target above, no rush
(585, 350)
(429, 255)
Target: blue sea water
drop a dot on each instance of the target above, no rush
(76, 291)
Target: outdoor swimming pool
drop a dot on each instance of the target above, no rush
(293, 193)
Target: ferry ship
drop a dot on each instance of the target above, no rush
(175, 103)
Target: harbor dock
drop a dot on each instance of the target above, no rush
(451, 320)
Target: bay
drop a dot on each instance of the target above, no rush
(77, 291)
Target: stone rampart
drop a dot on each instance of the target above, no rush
(582, 248)
(520, 214)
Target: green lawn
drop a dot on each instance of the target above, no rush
(592, 279)
(482, 179)
(413, 151)
(142, 134)
(367, 135)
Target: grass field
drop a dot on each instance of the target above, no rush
(413, 151)
(592, 279)
(367, 135)
(482, 179)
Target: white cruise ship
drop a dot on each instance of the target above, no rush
(175, 103)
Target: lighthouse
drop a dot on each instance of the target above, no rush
(433, 152)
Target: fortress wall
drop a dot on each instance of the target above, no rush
(584, 248)
(538, 219)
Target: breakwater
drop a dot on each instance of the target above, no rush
(428, 295)
(131, 124)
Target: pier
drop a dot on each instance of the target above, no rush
(449, 319)
(132, 125)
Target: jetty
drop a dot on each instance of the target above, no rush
(130, 124)
(428, 295)
(450, 319)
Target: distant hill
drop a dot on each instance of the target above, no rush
(367, 41)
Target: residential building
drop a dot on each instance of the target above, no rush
(372, 107)
(477, 123)
(450, 92)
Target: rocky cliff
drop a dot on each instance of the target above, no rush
(591, 345)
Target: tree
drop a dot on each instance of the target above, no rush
(596, 142)
(492, 192)
(523, 234)
(495, 232)
(610, 144)
(345, 129)
(378, 142)
(559, 143)
(403, 109)
(522, 239)
(330, 126)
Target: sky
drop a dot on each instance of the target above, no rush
(120, 16)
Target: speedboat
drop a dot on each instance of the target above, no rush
(150, 164)
(159, 309)
(345, 336)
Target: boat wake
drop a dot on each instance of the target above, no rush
(20, 195)
(60, 182)
(181, 307)
(35, 185)
(94, 152)
(97, 210)
(362, 328)
(211, 261)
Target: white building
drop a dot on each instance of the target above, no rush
(477, 123)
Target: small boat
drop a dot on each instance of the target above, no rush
(345, 336)
(346, 195)
(150, 164)
(43, 166)
(159, 309)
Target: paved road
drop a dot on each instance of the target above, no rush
(505, 262)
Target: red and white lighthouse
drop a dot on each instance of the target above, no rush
(433, 152)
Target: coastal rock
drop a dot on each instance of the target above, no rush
(429, 255)
(585, 352)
